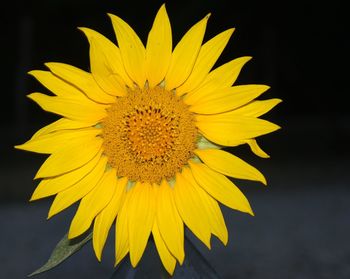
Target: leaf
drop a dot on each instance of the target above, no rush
(64, 249)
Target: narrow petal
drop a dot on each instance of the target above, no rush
(61, 124)
(56, 85)
(132, 50)
(50, 143)
(107, 216)
(71, 108)
(256, 148)
(106, 64)
(158, 49)
(211, 208)
(92, 204)
(167, 259)
(227, 99)
(220, 187)
(51, 186)
(230, 165)
(122, 232)
(79, 190)
(141, 210)
(185, 54)
(71, 157)
(169, 221)
(227, 129)
(222, 77)
(208, 55)
(256, 108)
(190, 208)
(82, 80)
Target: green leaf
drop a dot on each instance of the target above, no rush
(203, 143)
(64, 249)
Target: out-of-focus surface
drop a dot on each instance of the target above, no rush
(300, 49)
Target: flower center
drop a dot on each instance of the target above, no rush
(149, 135)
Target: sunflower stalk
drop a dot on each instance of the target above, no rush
(194, 266)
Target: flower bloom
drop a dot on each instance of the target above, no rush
(140, 139)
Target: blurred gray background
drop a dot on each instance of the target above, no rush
(299, 48)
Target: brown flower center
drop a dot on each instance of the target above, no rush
(149, 135)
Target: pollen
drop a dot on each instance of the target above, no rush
(149, 135)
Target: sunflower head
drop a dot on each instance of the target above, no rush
(139, 142)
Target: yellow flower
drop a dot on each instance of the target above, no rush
(141, 136)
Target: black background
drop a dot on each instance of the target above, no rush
(299, 48)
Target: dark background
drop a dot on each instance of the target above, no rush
(299, 48)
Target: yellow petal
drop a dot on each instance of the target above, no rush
(80, 189)
(49, 143)
(185, 54)
(230, 165)
(168, 260)
(220, 187)
(71, 157)
(131, 49)
(208, 55)
(107, 216)
(56, 85)
(141, 213)
(82, 80)
(227, 99)
(222, 77)
(226, 129)
(106, 64)
(256, 108)
(257, 149)
(122, 232)
(61, 124)
(190, 208)
(51, 186)
(211, 209)
(158, 49)
(71, 108)
(169, 221)
(92, 204)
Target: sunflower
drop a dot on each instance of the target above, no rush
(140, 140)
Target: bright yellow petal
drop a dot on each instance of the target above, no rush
(56, 85)
(190, 208)
(107, 216)
(106, 64)
(256, 108)
(71, 108)
(131, 49)
(222, 77)
(158, 49)
(52, 186)
(210, 208)
(122, 232)
(185, 54)
(141, 213)
(168, 260)
(71, 157)
(92, 204)
(227, 129)
(220, 187)
(228, 164)
(61, 124)
(227, 99)
(79, 190)
(50, 143)
(208, 55)
(256, 148)
(169, 221)
(82, 80)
